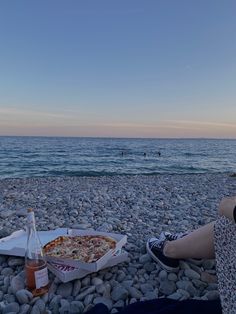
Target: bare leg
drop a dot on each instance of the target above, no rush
(197, 244)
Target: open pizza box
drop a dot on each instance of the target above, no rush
(15, 245)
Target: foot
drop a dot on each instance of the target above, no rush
(175, 236)
(155, 248)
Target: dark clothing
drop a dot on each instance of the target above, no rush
(165, 306)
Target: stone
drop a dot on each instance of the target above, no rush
(162, 275)
(172, 277)
(135, 293)
(191, 274)
(65, 289)
(208, 278)
(119, 293)
(143, 259)
(6, 214)
(11, 307)
(103, 300)
(13, 262)
(76, 287)
(146, 287)
(167, 287)
(24, 296)
(17, 283)
(175, 296)
(24, 308)
(212, 295)
(35, 310)
(7, 271)
(83, 294)
(41, 305)
(96, 281)
(76, 307)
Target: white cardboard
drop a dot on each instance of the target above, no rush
(15, 244)
(67, 273)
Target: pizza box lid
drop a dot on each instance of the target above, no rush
(67, 273)
(94, 266)
(15, 243)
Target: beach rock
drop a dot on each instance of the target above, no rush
(76, 287)
(135, 293)
(14, 261)
(24, 296)
(76, 307)
(11, 307)
(83, 294)
(208, 278)
(96, 281)
(103, 300)
(167, 287)
(17, 283)
(191, 274)
(119, 293)
(65, 289)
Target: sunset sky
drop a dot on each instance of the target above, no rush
(127, 68)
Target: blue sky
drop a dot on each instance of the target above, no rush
(123, 68)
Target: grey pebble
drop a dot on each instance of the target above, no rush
(11, 307)
(167, 287)
(135, 293)
(119, 293)
(65, 289)
(76, 287)
(83, 294)
(17, 283)
(76, 307)
(24, 296)
(191, 274)
(146, 287)
(103, 300)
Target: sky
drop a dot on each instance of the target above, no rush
(127, 68)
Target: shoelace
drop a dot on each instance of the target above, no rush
(176, 236)
(158, 244)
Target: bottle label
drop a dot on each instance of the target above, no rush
(41, 278)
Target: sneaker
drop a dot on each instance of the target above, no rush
(155, 249)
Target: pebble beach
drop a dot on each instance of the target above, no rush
(138, 206)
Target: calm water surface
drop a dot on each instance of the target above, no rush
(54, 156)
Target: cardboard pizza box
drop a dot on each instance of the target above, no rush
(94, 266)
(67, 273)
(15, 244)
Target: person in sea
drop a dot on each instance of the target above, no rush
(214, 240)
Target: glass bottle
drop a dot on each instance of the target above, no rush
(35, 264)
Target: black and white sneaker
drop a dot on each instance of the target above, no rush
(155, 248)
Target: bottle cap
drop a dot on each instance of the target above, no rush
(29, 210)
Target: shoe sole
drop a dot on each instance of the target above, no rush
(167, 268)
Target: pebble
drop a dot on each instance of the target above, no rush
(65, 289)
(139, 206)
(119, 293)
(24, 296)
(103, 300)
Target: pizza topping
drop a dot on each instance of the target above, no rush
(83, 248)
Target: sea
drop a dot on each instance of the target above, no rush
(75, 156)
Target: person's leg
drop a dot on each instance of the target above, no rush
(197, 244)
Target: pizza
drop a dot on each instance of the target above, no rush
(88, 249)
